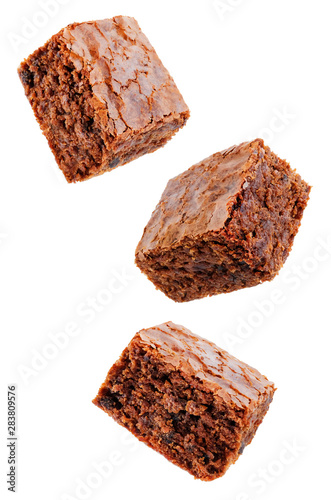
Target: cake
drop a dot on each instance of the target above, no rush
(186, 398)
(101, 96)
(224, 224)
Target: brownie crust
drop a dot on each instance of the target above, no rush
(226, 223)
(102, 96)
(186, 398)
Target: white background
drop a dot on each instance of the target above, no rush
(239, 65)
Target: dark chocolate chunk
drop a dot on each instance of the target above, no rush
(114, 163)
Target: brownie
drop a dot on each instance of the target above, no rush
(226, 223)
(102, 96)
(186, 398)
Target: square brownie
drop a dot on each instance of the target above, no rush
(186, 398)
(226, 223)
(102, 96)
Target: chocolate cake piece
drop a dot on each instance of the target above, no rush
(101, 96)
(226, 223)
(186, 398)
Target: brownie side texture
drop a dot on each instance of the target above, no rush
(102, 96)
(186, 398)
(226, 223)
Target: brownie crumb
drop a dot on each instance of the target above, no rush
(186, 398)
(226, 223)
(102, 96)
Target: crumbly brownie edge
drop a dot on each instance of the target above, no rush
(267, 214)
(163, 428)
(70, 124)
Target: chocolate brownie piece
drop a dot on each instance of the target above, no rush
(101, 96)
(226, 223)
(186, 398)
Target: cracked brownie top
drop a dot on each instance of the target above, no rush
(234, 381)
(200, 199)
(124, 71)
